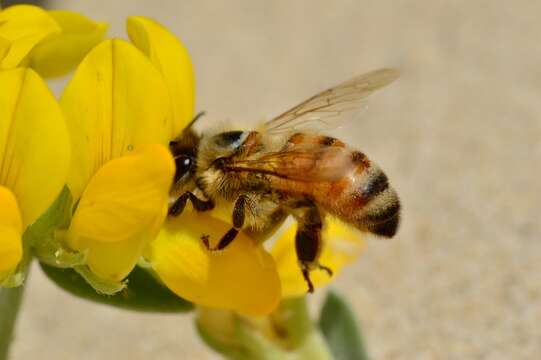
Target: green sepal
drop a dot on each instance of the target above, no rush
(229, 350)
(100, 285)
(16, 278)
(44, 236)
(236, 339)
(287, 334)
(58, 215)
(142, 293)
(338, 325)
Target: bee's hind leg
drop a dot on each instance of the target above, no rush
(239, 211)
(199, 205)
(308, 241)
(306, 267)
(327, 269)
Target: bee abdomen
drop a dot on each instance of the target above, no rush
(374, 184)
(378, 208)
(387, 228)
(381, 216)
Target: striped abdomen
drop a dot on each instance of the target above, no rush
(342, 181)
(360, 195)
(375, 205)
(364, 198)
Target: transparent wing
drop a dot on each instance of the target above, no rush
(328, 109)
(307, 162)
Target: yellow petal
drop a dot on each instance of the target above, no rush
(342, 245)
(24, 26)
(125, 196)
(34, 144)
(120, 208)
(9, 210)
(115, 102)
(4, 48)
(11, 250)
(172, 59)
(61, 52)
(242, 277)
(114, 261)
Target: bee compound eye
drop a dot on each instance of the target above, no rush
(183, 164)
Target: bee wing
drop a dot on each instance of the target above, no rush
(326, 110)
(309, 163)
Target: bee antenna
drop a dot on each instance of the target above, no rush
(197, 117)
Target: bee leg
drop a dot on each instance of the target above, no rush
(308, 241)
(198, 204)
(224, 241)
(238, 222)
(305, 268)
(306, 275)
(327, 269)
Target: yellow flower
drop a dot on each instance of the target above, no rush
(244, 277)
(51, 42)
(118, 114)
(230, 279)
(34, 159)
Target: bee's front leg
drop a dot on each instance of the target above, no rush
(199, 205)
(239, 211)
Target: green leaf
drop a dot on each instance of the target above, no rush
(143, 293)
(337, 322)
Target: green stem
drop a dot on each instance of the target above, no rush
(288, 334)
(10, 303)
(314, 347)
(304, 336)
(300, 338)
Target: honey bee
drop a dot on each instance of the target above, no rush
(287, 168)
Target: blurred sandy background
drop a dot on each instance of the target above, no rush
(459, 136)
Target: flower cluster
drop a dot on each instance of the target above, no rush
(84, 181)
